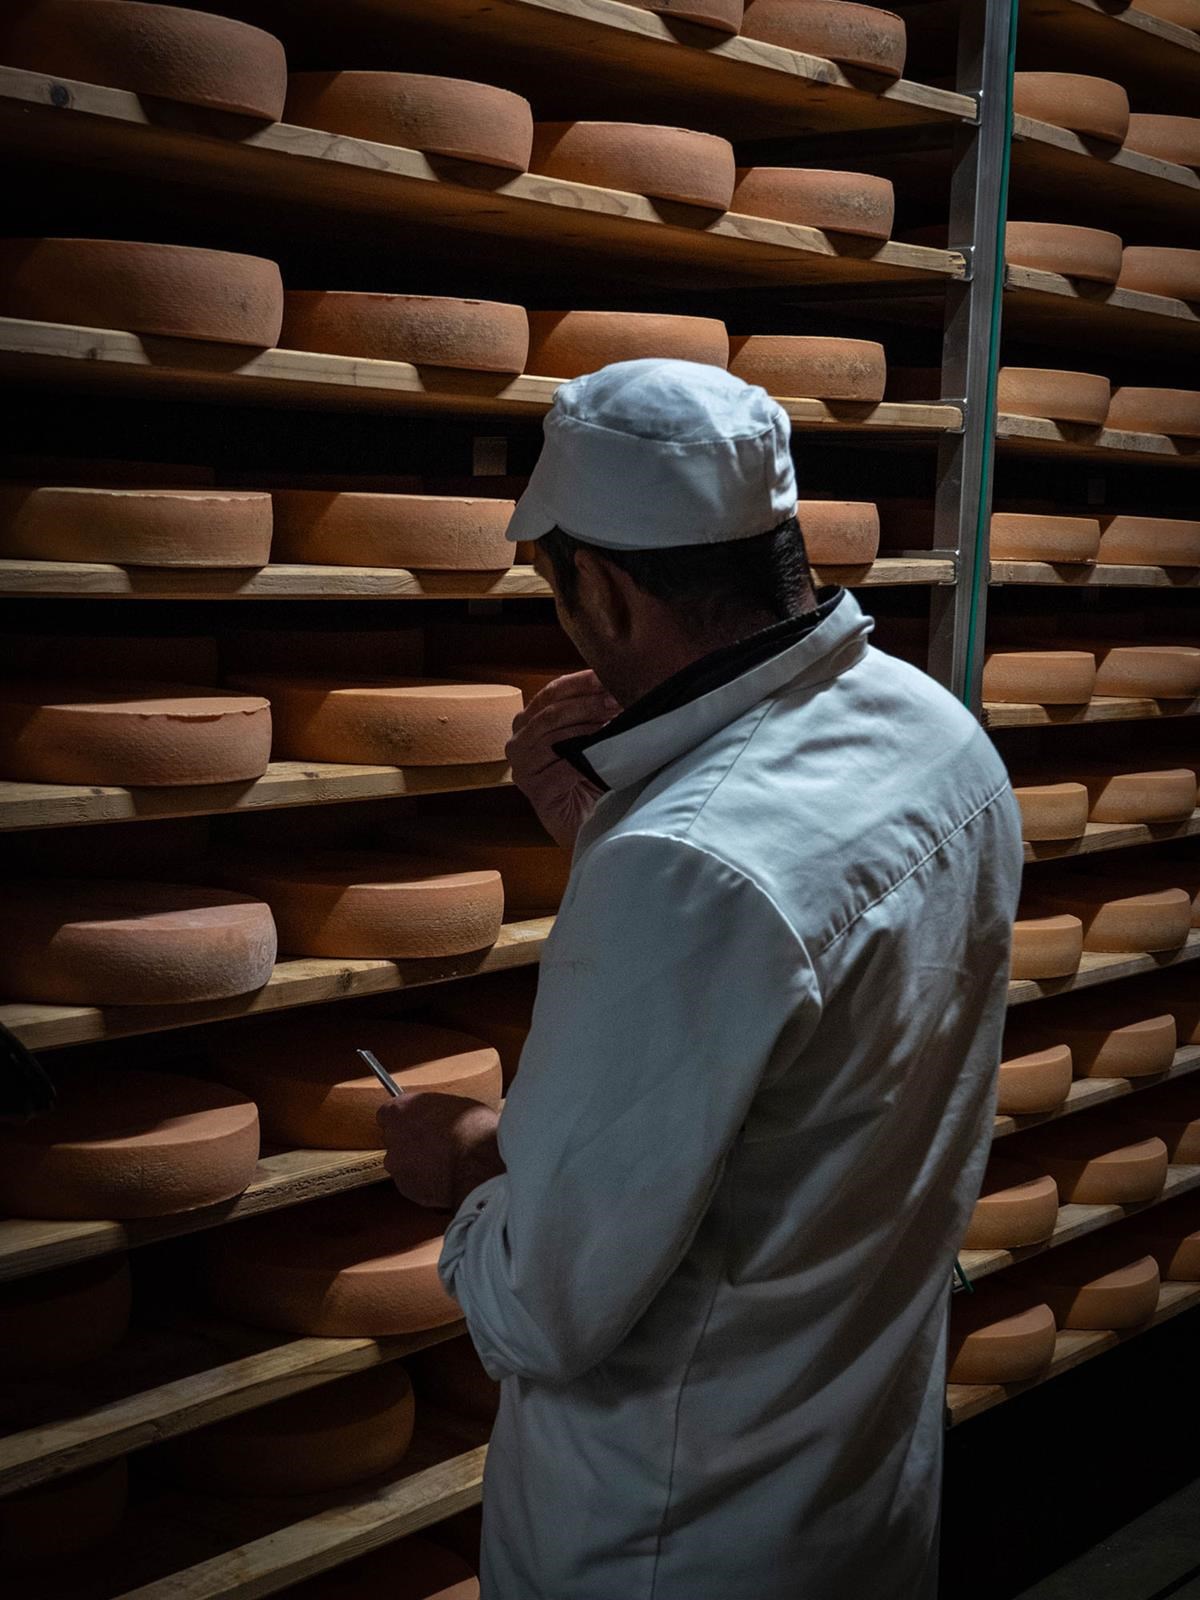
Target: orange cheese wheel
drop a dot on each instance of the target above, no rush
(451, 1376)
(723, 15)
(1052, 810)
(662, 163)
(1102, 1166)
(1183, 13)
(426, 330)
(1018, 1205)
(1175, 412)
(61, 1519)
(363, 1265)
(368, 906)
(1121, 920)
(1150, 541)
(994, 1339)
(1108, 1045)
(1039, 677)
(411, 1569)
(836, 202)
(1092, 254)
(101, 943)
(1094, 107)
(566, 344)
(153, 50)
(312, 1090)
(1124, 796)
(1158, 269)
(441, 116)
(839, 533)
(1174, 139)
(1024, 536)
(534, 869)
(59, 1320)
(144, 734)
(1046, 947)
(393, 722)
(1161, 671)
(162, 289)
(1034, 1083)
(496, 1009)
(1085, 1295)
(433, 533)
(811, 368)
(852, 35)
(137, 527)
(1062, 396)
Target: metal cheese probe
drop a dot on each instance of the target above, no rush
(382, 1073)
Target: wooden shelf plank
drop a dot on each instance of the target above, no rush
(1085, 1093)
(1101, 709)
(1073, 441)
(1113, 836)
(1094, 969)
(1100, 575)
(1044, 306)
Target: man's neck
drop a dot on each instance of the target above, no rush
(676, 649)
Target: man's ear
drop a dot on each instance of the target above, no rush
(604, 595)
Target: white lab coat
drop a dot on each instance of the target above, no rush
(750, 1123)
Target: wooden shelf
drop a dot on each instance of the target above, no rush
(1144, 53)
(1094, 969)
(1073, 441)
(1085, 1093)
(1098, 575)
(1102, 709)
(1043, 306)
(1113, 836)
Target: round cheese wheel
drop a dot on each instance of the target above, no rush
(137, 527)
(441, 116)
(382, 906)
(432, 533)
(325, 1438)
(566, 344)
(1100, 1166)
(1183, 13)
(1018, 1205)
(123, 1143)
(1034, 1083)
(1124, 796)
(1062, 396)
(411, 1569)
(122, 943)
(1095, 107)
(364, 1265)
(1160, 671)
(61, 1519)
(312, 1090)
(1119, 920)
(1150, 541)
(1052, 810)
(1114, 1046)
(451, 1376)
(812, 368)
(836, 202)
(1046, 947)
(1174, 139)
(1039, 677)
(839, 533)
(533, 867)
(144, 734)
(723, 15)
(1087, 1296)
(59, 1320)
(425, 330)
(1159, 269)
(662, 163)
(1091, 254)
(497, 1010)
(400, 722)
(162, 289)
(851, 35)
(1025, 536)
(1171, 411)
(155, 50)
(992, 1340)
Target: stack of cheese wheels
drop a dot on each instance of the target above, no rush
(451, 1376)
(1046, 946)
(1097, 1161)
(856, 203)
(723, 15)
(1097, 108)
(1175, 412)
(165, 290)
(533, 867)
(1039, 677)
(1167, 138)
(1159, 269)
(1156, 671)
(1105, 1042)
(425, 330)
(413, 1569)
(1150, 541)
(311, 1443)
(1082, 397)
(1125, 794)
(400, 722)
(1090, 254)
(155, 50)
(1098, 1286)
(999, 1336)
(566, 344)
(137, 527)
(59, 1320)
(440, 116)
(839, 533)
(1171, 1234)
(125, 1143)
(1033, 1082)
(496, 1009)
(673, 164)
(138, 734)
(122, 943)
(431, 533)
(1173, 1113)
(1018, 1205)
(1052, 810)
(811, 367)
(1118, 917)
(312, 1089)
(375, 906)
(1035, 536)
(61, 1520)
(363, 1266)
(852, 35)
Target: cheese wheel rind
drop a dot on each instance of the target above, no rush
(1115, 1300)
(136, 527)
(1052, 810)
(1094, 107)
(836, 30)
(423, 330)
(1092, 254)
(1039, 677)
(1150, 541)
(1168, 138)
(857, 203)
(1168, 795)
(1120, 921)
(1018, 1206)
(1026, 536)
(1161, 672)
(839, 533)
(1063, 396)
(432, 533)
(811, 367)
(1034, 1083)
(1000, 1345)
(567, 344)
(674, 164)
(1159, 269)
(1046, 947)
(1175, 412)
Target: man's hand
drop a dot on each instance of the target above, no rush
(568, 708)
(439, 1147)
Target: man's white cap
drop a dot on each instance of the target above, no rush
(644, 455)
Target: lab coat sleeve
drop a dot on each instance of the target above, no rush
(664, 991)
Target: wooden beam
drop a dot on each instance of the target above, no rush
(1043, 306)
(1109, 708)
(1075, 441)
(1098, 575)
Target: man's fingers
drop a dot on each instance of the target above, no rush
(549, 723)
(571, 686)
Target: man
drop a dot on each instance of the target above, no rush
(710, 1254)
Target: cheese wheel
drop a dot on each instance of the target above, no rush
(1094, 107)
(836, 202)
(325, 1438)
(812, 368)
(1052, 810)
(662, 163)
(533, 867)
(1086, 1296)
(852, 35)
(1111, 1045)
(61, 1519)
(1183, 13)
(364, 1265)
(1101, 1167)
(839, 533)
(1091, 254)
(1039, 677)
(1150, 541)
(1124, 796)
(144, 734)
(566, 344)
(398, 722)
(497, 1010)
(1120, 920)
(1062, 396)
(312, 1090)
(1175, 139)
(122, 943)
(1159, 269)
(136, 527)
(994, 1340)
(441, 116)
(1025, 536)
(411, 1569)
(723, 15)
(153, 50)
(1046, 947)
(433, 533)
(123, 1143)
(1161, 671)
(374, 906)
(1175, 412)
(1018, 1205)
(162, 289)
(59, 1320)
(1034, 1083)
(451, 1376)
(527, 681)
(426, 330)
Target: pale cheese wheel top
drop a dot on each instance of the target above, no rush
(839, 533)
(836, 202)
(852, 35)
(1039, 677)
(425, 330)
(1033, 536)
(137, 527)
(1175, 412)
(412, 1569)
(1064, 396)
(1092, 254)
(662, 163)
(567, 344)
(435, 533)
(1160, 269)
(1169, 138)
(1095, 107)
(1150, 541)
(811, 367)
(58, 1320)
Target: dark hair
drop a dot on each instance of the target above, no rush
(766, 573)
